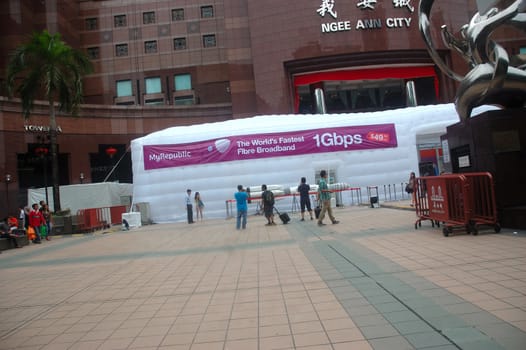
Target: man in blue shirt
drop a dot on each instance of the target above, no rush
(324, 194)
(242, 207)
(304, 190)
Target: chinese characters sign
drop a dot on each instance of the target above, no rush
(292, 143)
(366, 4)
(327, 7)
(328, 10)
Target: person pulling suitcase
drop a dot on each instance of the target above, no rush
(267, 198)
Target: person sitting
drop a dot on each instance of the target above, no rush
(7, 232)
(12, 222)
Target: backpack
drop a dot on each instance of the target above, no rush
(268, 197)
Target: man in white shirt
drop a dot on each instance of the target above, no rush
(21, 218)
(189, 208)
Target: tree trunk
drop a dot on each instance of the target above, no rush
(54, 156)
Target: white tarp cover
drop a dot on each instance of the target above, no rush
(84, 196)
(164, 163)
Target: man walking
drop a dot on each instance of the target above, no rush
(267, 198)
(36, 221)
(304, 190)
(189, 207)
(242, 207)
(324, 194)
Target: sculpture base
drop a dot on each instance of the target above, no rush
(495, 141)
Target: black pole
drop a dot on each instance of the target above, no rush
(7, 196)
(45, 177)
(114, 176)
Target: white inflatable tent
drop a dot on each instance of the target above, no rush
(358, 149)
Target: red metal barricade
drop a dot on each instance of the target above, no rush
(421, 204)
(482, 201)
(88, 220)
(446, 201)
(457, 200)
(93, 219)
(116, 214)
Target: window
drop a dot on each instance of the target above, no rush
(183, 94)
(180, 44)
(121, 50)
(207, 11)
(124, 88)
(92, 24)
(209, 40)
(155, 101)
(148, 17)
(93, 53)
(178, 15)
(153, 85)
(150, 46)
(522, 50)
(119, 21)
(183, 82)
(184, 100)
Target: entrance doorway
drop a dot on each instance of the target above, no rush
(365, 90)
(430, 160)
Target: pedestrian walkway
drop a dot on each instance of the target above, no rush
(370, 282)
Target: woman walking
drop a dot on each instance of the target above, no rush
(199, 205)
(411, 188)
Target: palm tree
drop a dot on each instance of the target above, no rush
(47, 68)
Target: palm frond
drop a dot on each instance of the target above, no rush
(46, 66)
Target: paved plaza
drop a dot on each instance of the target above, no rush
(370, 282)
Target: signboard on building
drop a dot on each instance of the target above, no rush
(256, 146)
(364, 17)
(40, 128)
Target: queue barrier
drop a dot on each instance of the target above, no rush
(356, 191)
(456, 200)
(482, 199)
(422, 204)
(230, 203)
(93, 219)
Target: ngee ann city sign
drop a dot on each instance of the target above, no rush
(328, 9)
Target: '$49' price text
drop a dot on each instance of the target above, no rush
(378, 136)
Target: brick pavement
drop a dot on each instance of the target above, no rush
(371, 282)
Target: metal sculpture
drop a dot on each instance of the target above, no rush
(494, 78)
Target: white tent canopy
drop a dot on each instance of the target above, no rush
(85, 196)
(358, 149)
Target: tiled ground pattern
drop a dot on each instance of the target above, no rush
(371, 282)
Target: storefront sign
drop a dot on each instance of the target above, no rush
(328, 9)
(40, 128)
(292, 143)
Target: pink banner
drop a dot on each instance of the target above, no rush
(291, 143)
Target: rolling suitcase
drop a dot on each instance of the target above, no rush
(284, 217)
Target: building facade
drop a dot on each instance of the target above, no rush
(179, 62)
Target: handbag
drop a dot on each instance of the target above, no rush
(409, 188)
(31, 234)
(43, 231)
